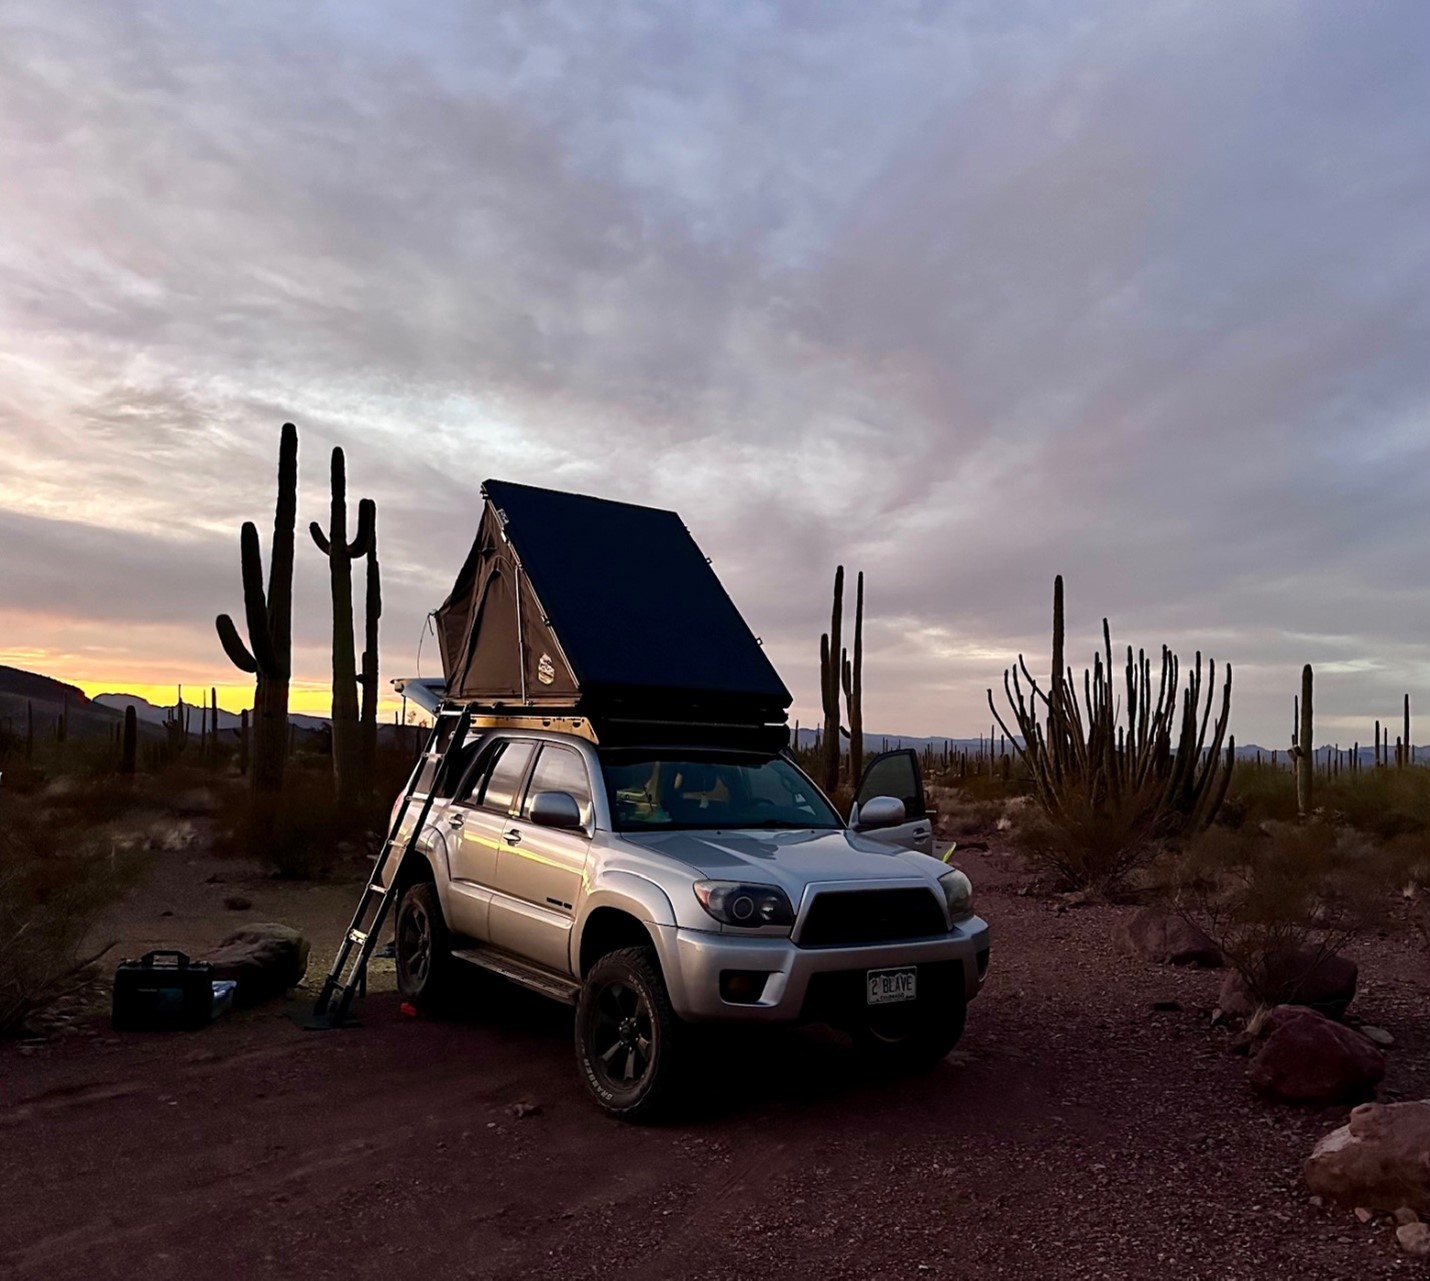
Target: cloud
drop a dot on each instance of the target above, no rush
(961, 298)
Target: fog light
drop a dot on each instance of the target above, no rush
(742, 987)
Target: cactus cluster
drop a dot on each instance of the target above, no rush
(1076, 752)
(269, 615)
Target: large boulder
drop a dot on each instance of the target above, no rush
(1169, 939)
(265, 960)
(1380, 1159)
(1326, 984)
(1308, 1058)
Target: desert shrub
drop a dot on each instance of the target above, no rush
(1093, 843)
(53, 884)
(1260, 894)
(295, 832)
(961, 815)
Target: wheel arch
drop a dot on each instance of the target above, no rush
(622, 910)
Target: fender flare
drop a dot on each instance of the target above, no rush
(636, 895)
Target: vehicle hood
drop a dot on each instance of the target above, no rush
(791, 860)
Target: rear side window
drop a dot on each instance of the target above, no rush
(559, 769)
(501, 780)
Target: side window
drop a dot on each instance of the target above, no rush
(471, 774)
(895, 774)
(502, 779)
(559, 769)
(452, 780)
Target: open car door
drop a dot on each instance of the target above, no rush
(896, 774)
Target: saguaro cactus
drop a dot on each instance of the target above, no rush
(347, 749)
(130, 745)
(243, 741)
(1409, 752)
(269, 615)
(176, 726)
(854, 687)
(829, 659)
(1303, 752)
(372, 613)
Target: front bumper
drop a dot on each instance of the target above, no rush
(693, 961)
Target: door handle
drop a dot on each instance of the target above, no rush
(454, 820)
(513, 836)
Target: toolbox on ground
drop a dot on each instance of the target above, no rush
(165, 991)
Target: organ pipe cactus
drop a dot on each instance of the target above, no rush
(269, 615)
(1077, 755)
(334, 544)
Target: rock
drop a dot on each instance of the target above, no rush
(1307, 1058)
(237, 903)
(523, 1110)
(1414, 1239)
(1168, 939)
(1405, 1215)
(1377, 1034)
(1363, 1215)
(1378, 1159)
(265, 960)
(1325, 983)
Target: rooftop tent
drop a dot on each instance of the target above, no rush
(606, 609)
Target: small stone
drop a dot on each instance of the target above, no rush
(1378, 1035)
(1318, 1201)
(1414, 1239)
(237, 903)
(1364, 1215)
(1405, 1215)
(523, 1110)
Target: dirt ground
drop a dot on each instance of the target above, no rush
(1076, 1132)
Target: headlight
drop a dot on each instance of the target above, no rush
(957, 893)
(733, 903)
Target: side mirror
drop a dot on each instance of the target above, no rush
(879, 811)
(555, 809)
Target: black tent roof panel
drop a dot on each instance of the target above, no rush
(640, 623)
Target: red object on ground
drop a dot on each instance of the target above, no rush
(408, 1009)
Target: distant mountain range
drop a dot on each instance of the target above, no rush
(149, 714)
(47, 698)
(896, 742)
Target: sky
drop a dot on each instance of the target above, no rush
(959, 295)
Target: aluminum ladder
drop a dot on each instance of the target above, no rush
(348, 976)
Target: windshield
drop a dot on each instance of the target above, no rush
(651, 790)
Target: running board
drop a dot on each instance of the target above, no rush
(556, 986)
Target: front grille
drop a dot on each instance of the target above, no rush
(845, 918)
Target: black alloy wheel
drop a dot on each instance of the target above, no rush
(423, 947)
(629, 1041)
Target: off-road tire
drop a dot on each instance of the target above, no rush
(425, 967)
(918, 1042)
(624, 1004)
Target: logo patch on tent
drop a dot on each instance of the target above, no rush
(545, 670)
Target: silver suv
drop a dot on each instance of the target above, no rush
(664, 887)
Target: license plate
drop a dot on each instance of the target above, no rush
(886, 987)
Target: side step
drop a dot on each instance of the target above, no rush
(557, 986)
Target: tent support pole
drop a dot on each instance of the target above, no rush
(520, 634)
